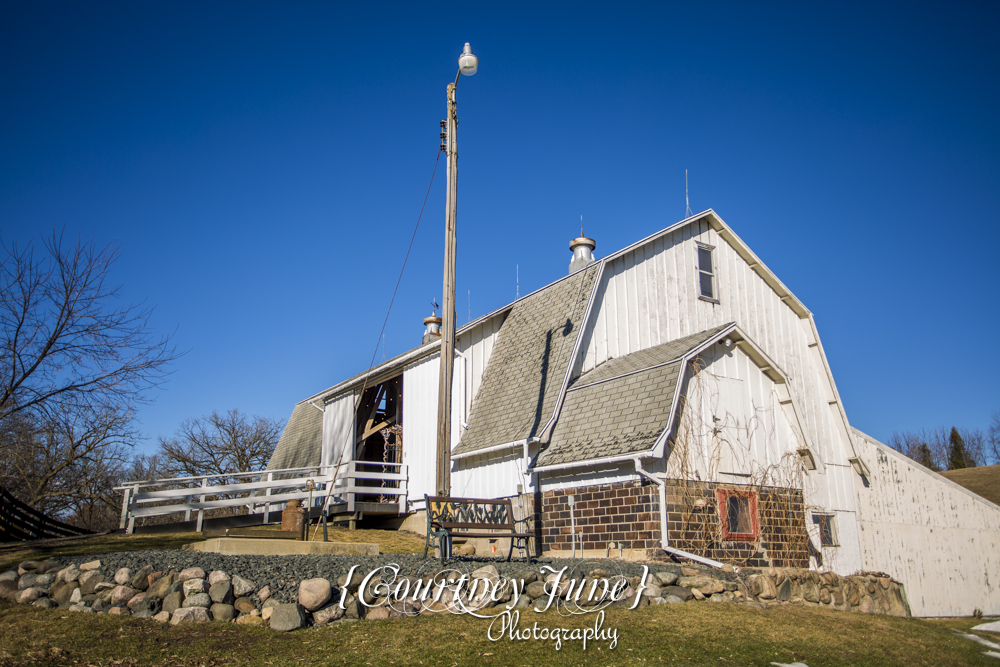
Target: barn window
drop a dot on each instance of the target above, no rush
(827, 529)
(738, 515)
(706, 273)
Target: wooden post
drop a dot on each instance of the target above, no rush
(201, 512)
(443, 477)
(125, 506)
(267, 492)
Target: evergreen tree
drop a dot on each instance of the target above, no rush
(957, 456)
(922, 455)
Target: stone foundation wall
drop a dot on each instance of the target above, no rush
(626, 512)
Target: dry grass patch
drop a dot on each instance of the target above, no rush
(689, 634)
(11, 555)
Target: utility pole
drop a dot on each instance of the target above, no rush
(467, 65)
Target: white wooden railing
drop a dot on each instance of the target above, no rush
(263, 489)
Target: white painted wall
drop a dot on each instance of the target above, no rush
(940, 539)
(420, 405)
(338, 429)
(476, 346)
(495, 475)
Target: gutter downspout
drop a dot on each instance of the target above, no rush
(664, 528)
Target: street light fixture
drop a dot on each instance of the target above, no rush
(468, 64)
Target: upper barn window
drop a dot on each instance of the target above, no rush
(706, 273)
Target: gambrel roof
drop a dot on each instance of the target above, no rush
(527, 392)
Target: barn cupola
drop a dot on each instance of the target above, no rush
(583, 252)
(432, 328)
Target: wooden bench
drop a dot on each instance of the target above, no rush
(470, 517)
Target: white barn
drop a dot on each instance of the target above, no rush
(678, 392)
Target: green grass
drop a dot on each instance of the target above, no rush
(689, 634)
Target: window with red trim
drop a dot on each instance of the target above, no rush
(738, 515)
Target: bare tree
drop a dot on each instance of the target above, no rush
(65, 342)
(992, 444)
(220, 444)
(62, 463)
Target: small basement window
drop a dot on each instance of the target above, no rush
(827, 529)
(706, 273)
(738, 514)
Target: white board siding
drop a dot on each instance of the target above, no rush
(420, 405)
(608, 473)
(338, 429)
(476, 346)
(941, 540)
(670, 261)
(495, 475)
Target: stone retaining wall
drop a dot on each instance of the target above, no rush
(192, 595)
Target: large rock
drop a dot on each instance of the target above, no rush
(242, 587)
(91, 566)
(162, 617)
(173, 601)
(140, 580)
(314, 593)
(353, 584)
(216, 576)
(9, 575)
(487, 572)
(684, 594)
(810, 591)
(244, 605)
(44, 580)
(221, 592)
(150, 604)
(27, 580)
(29, 595)
(193, 587)
(191, 573)
(327, 614)
(665, 578)
(287, 617)
(197, 600)
(161, 587)
(867, 605)
(122, 594)
(262, 595)
(376, 614)
(123, 577)
(190, 615)
(27, 566)
(89, 580)
(785, 589)
(223, 612)
(250, 620)
(44, 603)
(76, 597)
(60, 591)
(535, 590)
(68, 574)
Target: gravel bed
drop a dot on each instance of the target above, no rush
(283, 573)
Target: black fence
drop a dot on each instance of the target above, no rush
(20, 522)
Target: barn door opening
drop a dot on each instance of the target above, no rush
(379, 445)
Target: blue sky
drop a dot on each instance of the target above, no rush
(263, 164)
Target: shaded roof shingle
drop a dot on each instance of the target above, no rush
(528, 364)
(622, 406)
